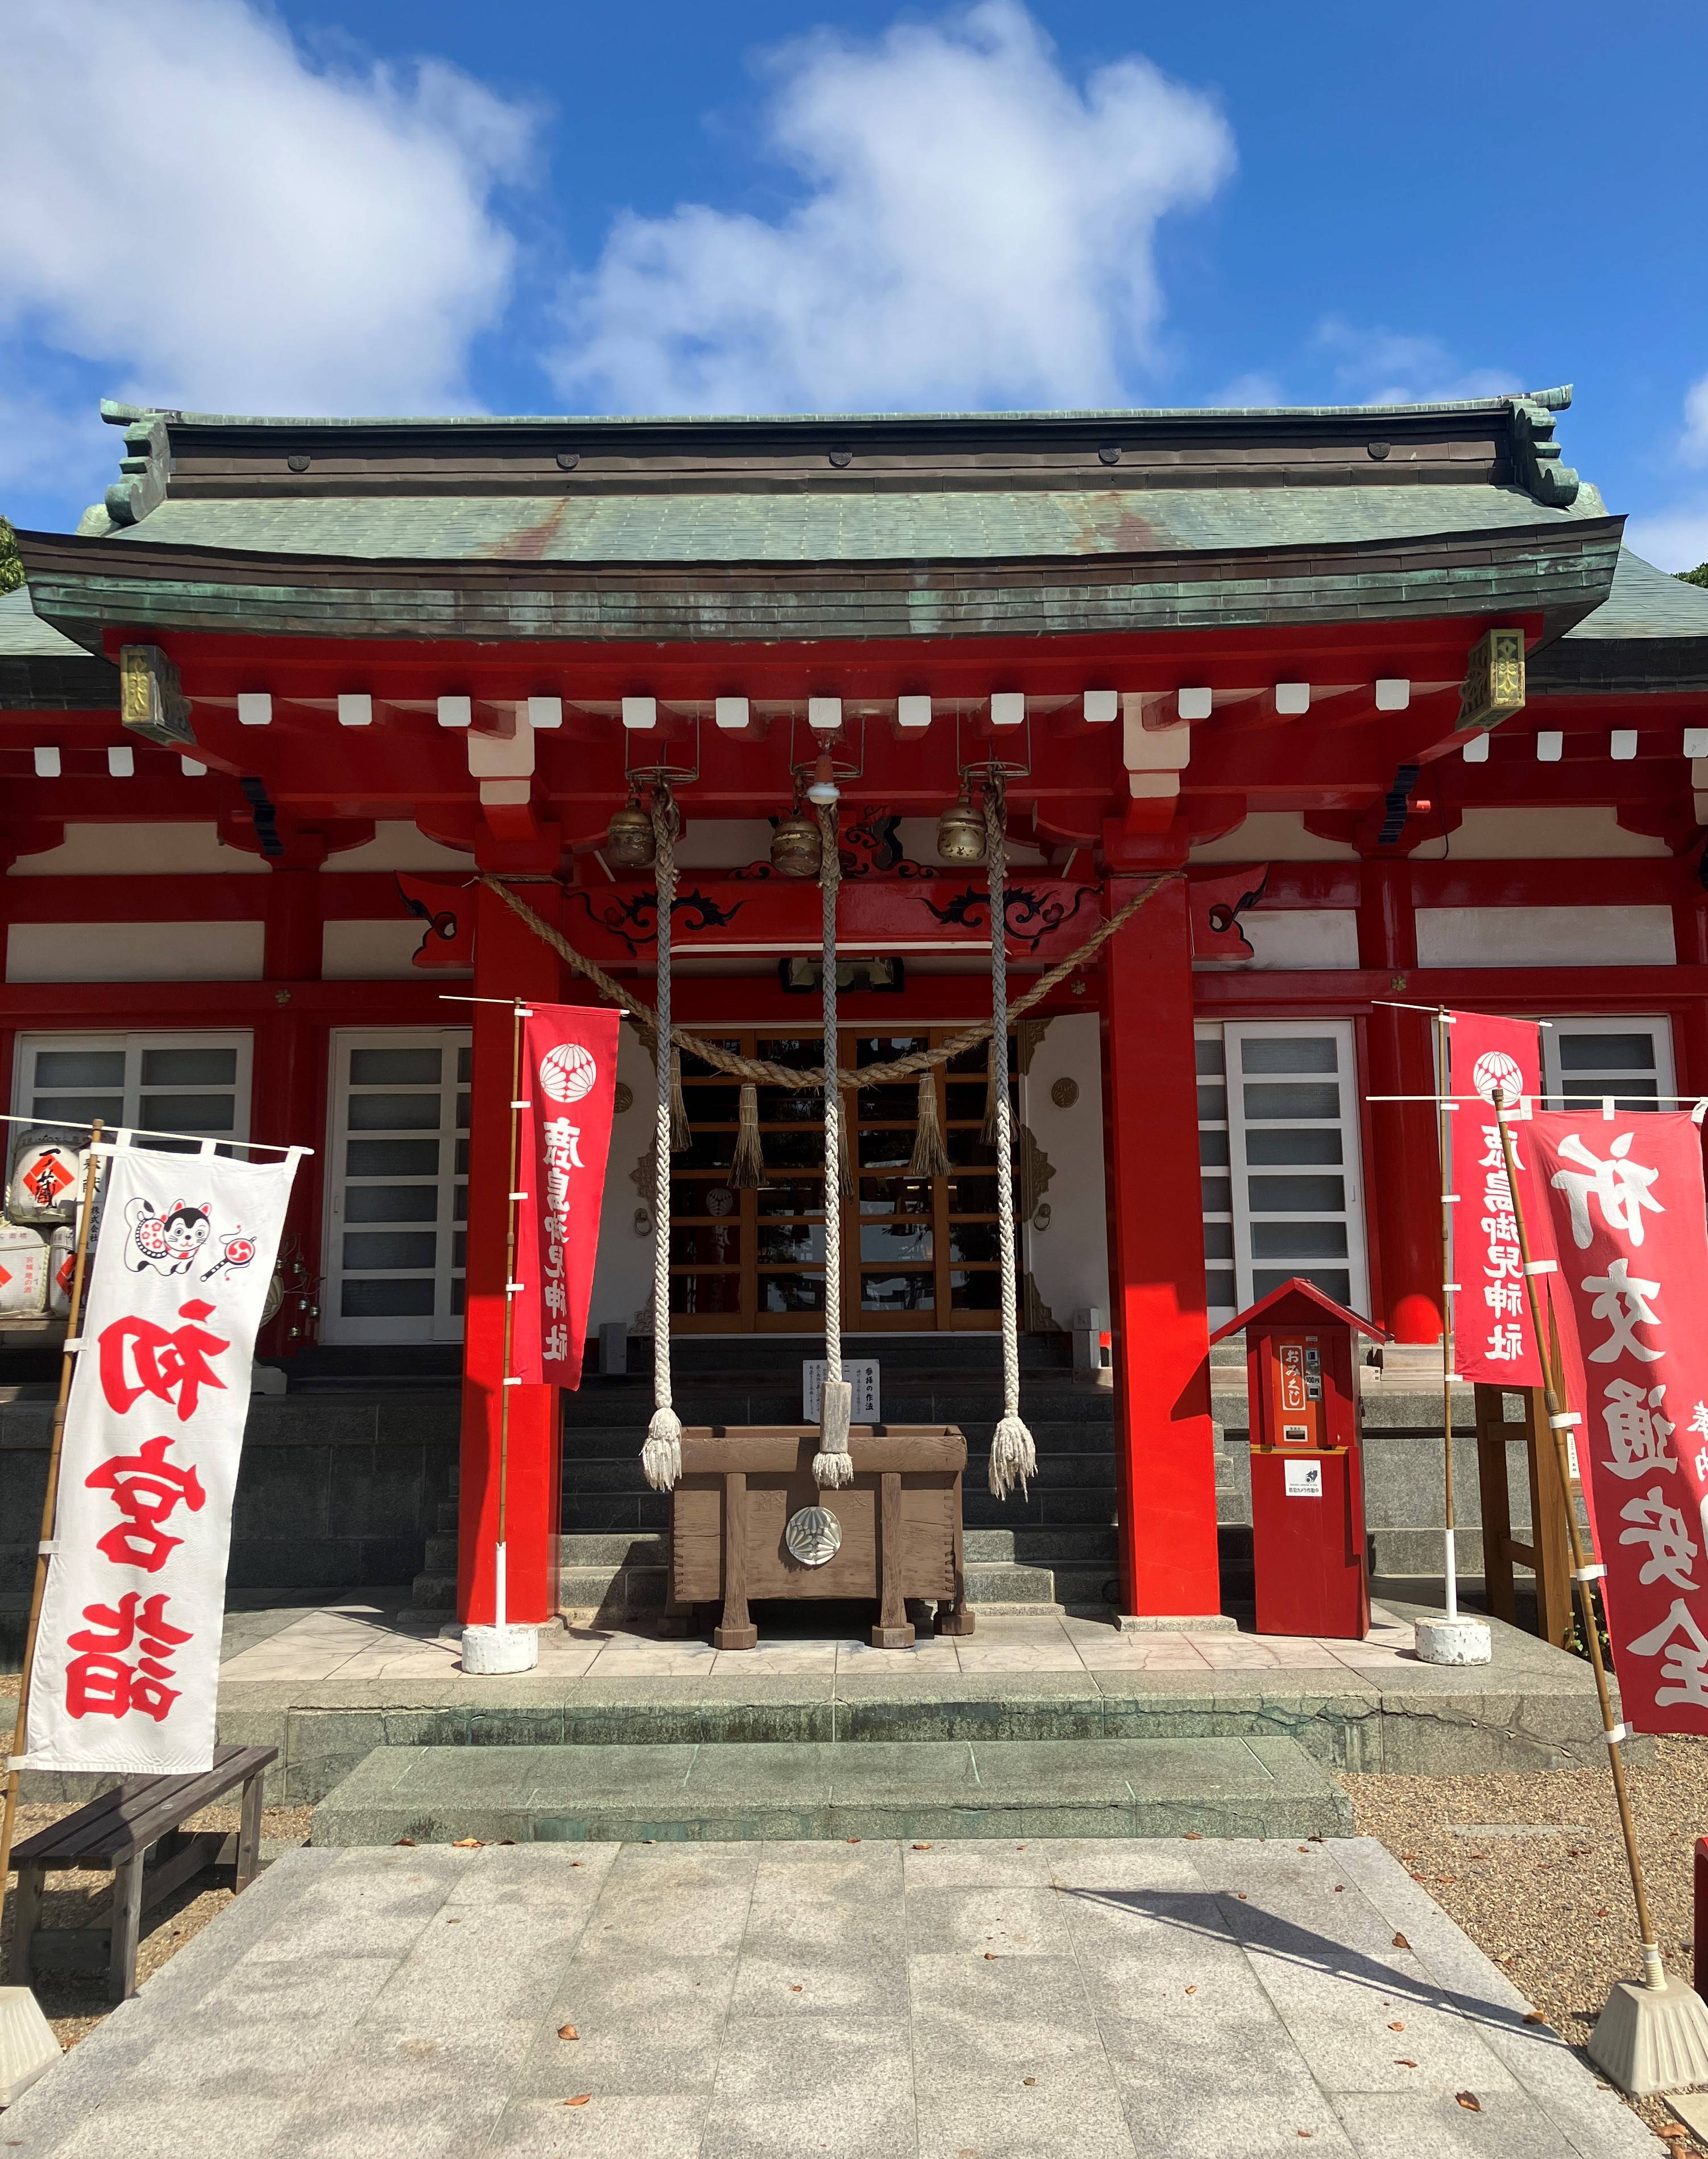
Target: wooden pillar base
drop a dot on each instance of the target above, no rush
(735, 1638)
(892, 1637)
(954, 1619)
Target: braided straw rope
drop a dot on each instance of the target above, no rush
(833, 1465)
(1014, 1456)
(760, 1069)
(661, 1456)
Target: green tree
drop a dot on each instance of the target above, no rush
(11, 563)
(1699, 576)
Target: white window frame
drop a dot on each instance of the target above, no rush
(1218, 1315)
(1349, 1124)
(444, 1323)
(1556, 1084)
(29, 1046)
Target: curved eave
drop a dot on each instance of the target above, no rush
(1561, 571)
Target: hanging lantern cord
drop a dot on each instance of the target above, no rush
(833, 1465)
(661, 1457)
(1014, 1456)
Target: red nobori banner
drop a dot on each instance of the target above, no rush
(1492, 1337)
(1626, 1199)
(569, 1085)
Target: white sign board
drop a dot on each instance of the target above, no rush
(128, 1656)
(1304, 1479)
(862, 1374)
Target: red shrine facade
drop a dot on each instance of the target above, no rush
(1373, 699)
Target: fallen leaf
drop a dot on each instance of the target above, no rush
(1417, 1877)
(1194, 1836)
(454, 1922)
(1028, 2080)
(1469, 2101)
(1307, 2132)
(1241, 1893)
(1602, 1913)
(922, 1847)
(407, 1839)
(990, 1956)
(1191, 1989)
(581, 2098)
(567, 2031)
(1400, 1942)
(1447, 1878)
(1672, 2129)
(465, 1843)
(852, 1839)
(1339, 1888)
(794, 1989)
(1399, 2024)
(1534, 2016)
(1403, 2062)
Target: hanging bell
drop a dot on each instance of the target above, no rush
(960, 830)
(797, 845)
(630, 844)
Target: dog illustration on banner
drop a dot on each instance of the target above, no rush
(167, 1241)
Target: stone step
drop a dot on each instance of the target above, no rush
(940, 1789)
(634, 1584)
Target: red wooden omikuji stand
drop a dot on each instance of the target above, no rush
(428, 628)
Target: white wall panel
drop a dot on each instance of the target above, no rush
(1069, 1259)
(134, 952)
(1303, 936)
(373, 951)
(1545, 936)
(140, 851)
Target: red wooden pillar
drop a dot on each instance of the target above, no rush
(509, 961)
(288, 1088)
(1403, 1183)
(1164, 1444)
(1690, 1016)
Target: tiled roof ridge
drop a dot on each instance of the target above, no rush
(1556, 400)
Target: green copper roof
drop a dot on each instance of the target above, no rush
(1646, 602)
(941, 526)
(23, 635)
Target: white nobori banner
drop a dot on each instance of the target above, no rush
(127, 1657)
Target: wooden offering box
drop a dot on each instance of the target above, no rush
(900, 1524)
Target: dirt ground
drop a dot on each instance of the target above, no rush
(1552, 1907)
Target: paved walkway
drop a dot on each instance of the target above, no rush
(1094, 2000)
(355, 1641)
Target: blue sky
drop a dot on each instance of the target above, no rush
(365, 205)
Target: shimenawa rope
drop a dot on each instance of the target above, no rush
(661, 1457)
(833, 1465)
(1014, 1456)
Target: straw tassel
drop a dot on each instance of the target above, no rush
(930, 1158)
(833, 1465)
(661, 1457)
(1014, 1456)
(746, 1171)
(681, 1133)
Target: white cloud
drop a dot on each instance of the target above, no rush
(977, 229)
(1672, 539)
(1697, 421)
(1386, 367)
(192, 203)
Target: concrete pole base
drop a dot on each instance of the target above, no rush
(1454, 1642)
(491, 1650)
(1175, 1623)
(1652, 2038)
(28, 2046)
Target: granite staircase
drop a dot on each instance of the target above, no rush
(1051, 1550)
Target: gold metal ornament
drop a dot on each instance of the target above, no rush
(630, 844)
(960, 830)
(797, 845)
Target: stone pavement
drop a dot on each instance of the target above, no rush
(977, 2000)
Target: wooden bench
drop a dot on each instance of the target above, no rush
(142, 1821)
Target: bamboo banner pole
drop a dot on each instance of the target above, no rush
(1444, 1131)
(50, 1503)
(1560, 1423)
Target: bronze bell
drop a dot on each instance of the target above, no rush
(797, 845)
(960, 830)
(630, 844)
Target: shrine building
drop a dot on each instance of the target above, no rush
(1373, 698)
